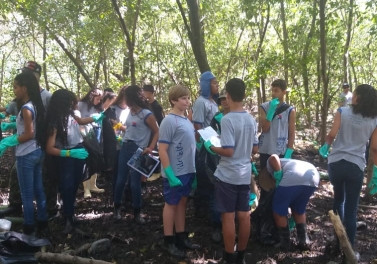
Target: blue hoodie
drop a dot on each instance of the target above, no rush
(205, 84)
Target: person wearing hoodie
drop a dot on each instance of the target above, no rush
(204, 109)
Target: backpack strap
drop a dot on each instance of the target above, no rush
(281, 109)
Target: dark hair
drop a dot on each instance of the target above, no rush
(279, 83)
(148, 88)
(366, 101)
(108, 95)
(121, 96)
(236, 89)
(29, 80)
(134, 97)
(88, 98)
(62, 104)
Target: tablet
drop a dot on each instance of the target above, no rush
(143, 163)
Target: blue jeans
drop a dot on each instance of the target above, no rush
(347, 179)
(71, 175)
(29, 172)
(125, 173)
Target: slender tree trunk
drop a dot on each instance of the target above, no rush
(324, 77)
(2, 76)
(130, 38)
(348, 40)
(75, 61)
(195, 33)
(44, 56)
(285, 45)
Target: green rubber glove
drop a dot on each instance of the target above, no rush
(207, 145)
(271, 111)
(173, 180)
(278, 175)
(291, 223)
(324, 150)
(288, 153)
(252, 198)
(8, 126)
(12, 118)
(373, 182)
(79, 153)
(254, 169)
(118, 138)
(7, 142)
(218, 117)
(194, 183)
(2, 116)
(98, 117)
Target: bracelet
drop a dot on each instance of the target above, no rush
(67, 153)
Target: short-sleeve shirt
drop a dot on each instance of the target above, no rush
(297, 172)
(238, 131)
(11, 109)
(137, 129)
(345, 98)
(74, 136)
(275, 140)
(179, 133)
(29, 146)
(353, 134)
(45, 96)
(85, 112)
(203, 111)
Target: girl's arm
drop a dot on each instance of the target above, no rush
(152, 124)
(29, 127)
(163, 153)
(50, 146)
(334, 130)
(373, 146)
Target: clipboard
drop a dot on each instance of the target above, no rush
(143, 163)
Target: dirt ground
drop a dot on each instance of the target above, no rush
(133, 243)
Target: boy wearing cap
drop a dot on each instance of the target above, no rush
(278, 122)
(156, 108)
(345, 97)
(233, 174)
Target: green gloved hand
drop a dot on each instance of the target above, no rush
(254, 169)
(271, 111)
(373, 182)
(252, 198)
(207, 145)
(324, 150)
(194, 183)
(8, 126)
(173, 180)
(2, 116)
(12, 118)
(7, 142)
(288, 153)
(218, 117)
(118, 138)
(98, 117)
(278, 175)
(79, 153)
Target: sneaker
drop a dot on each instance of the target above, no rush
(174, 251)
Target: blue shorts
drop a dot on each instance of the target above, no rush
(173, 195)
(231, 198)
(295, 197)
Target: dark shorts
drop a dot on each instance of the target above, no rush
(295, 197)
(173, 195)
(231, 198)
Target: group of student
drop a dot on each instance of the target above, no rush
(125, 122)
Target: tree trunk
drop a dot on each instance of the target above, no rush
(44, 56)
(324, 77)
(130, 38)
(75, 61)
(304, 63)
(347, 44)
(285, 45)
(195, 33)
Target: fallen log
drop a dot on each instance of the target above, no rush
(65, 258)
(373, 207)
(343, 239)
